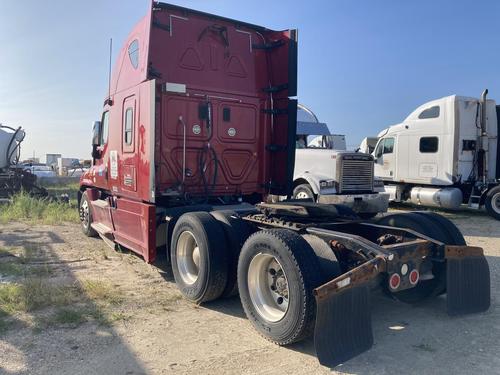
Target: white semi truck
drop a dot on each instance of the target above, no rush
(444, 154)
(325, 172)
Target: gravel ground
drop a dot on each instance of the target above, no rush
(160, 333)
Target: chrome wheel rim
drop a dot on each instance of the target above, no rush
(188, 257)
(495, 202)
(302, 195)
(84, 213)
(268, 287)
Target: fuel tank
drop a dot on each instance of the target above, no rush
(446, 198)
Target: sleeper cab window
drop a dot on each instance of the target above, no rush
(133, 53)
(432, 112)
(429, 144)
(104, 128)
(128, 131)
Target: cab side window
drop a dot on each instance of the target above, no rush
(385, 146)
(104, 128)
(389, 145)
(128, 129)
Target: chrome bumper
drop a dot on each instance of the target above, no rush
(359, 203)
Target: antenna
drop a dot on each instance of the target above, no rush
(109, 71)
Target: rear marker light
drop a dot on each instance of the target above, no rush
(394, 281)
(414, 276)
(404, 269)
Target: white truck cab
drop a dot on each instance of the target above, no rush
(327, 173)
(443, 154)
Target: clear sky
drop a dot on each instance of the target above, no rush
(363, 64)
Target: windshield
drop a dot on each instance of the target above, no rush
(315, 141)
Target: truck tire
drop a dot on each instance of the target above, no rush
(328, 263)
(425, 225)
(85, 213)
(277, 273)
(199, 257)
(304, 191)
(455, 237)
(492, 202)
(236, 232)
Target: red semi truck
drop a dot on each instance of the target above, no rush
(198, 129)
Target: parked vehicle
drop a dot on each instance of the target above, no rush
(77, 172)
(198, 129)
(368, 145)
(444, 154)
(325, 172)
(13, 177)
(40, 170)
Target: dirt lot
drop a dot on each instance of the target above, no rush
(143, 326)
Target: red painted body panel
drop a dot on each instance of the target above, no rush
(135, 227)
(183, 74)
(229, 71)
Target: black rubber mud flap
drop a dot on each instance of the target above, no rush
(343, 316)
(468, 280)
(343, 326)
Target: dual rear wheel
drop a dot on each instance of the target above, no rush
(277, 271)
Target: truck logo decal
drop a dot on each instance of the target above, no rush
(231, 132)
(113, 161)
(196, 129)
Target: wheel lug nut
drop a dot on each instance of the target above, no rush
(272, 271)
(280, 300)
(273, 288)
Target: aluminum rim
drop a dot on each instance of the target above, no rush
(268, 287)
(302, 195)
(188, 257)
(495, 202)
(84, 213)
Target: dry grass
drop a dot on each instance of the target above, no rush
(73, 304)
(34, 294)
(33, 210)
(101, 292)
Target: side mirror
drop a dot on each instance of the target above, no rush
(96, 132)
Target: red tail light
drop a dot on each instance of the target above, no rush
(394, 281)
(414, 276)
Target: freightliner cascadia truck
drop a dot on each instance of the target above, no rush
(444, 154)
(198, 129)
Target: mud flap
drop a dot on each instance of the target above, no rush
(343, 326)
(467, 279)
(343, 317)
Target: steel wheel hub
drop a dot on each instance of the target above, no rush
(84, 213)
(495, 202)
(302, 195)
(268, 287)
(188, 257)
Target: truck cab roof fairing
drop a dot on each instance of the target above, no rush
(125, 73)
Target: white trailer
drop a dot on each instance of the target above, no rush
(444, 154)
(325, 172)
